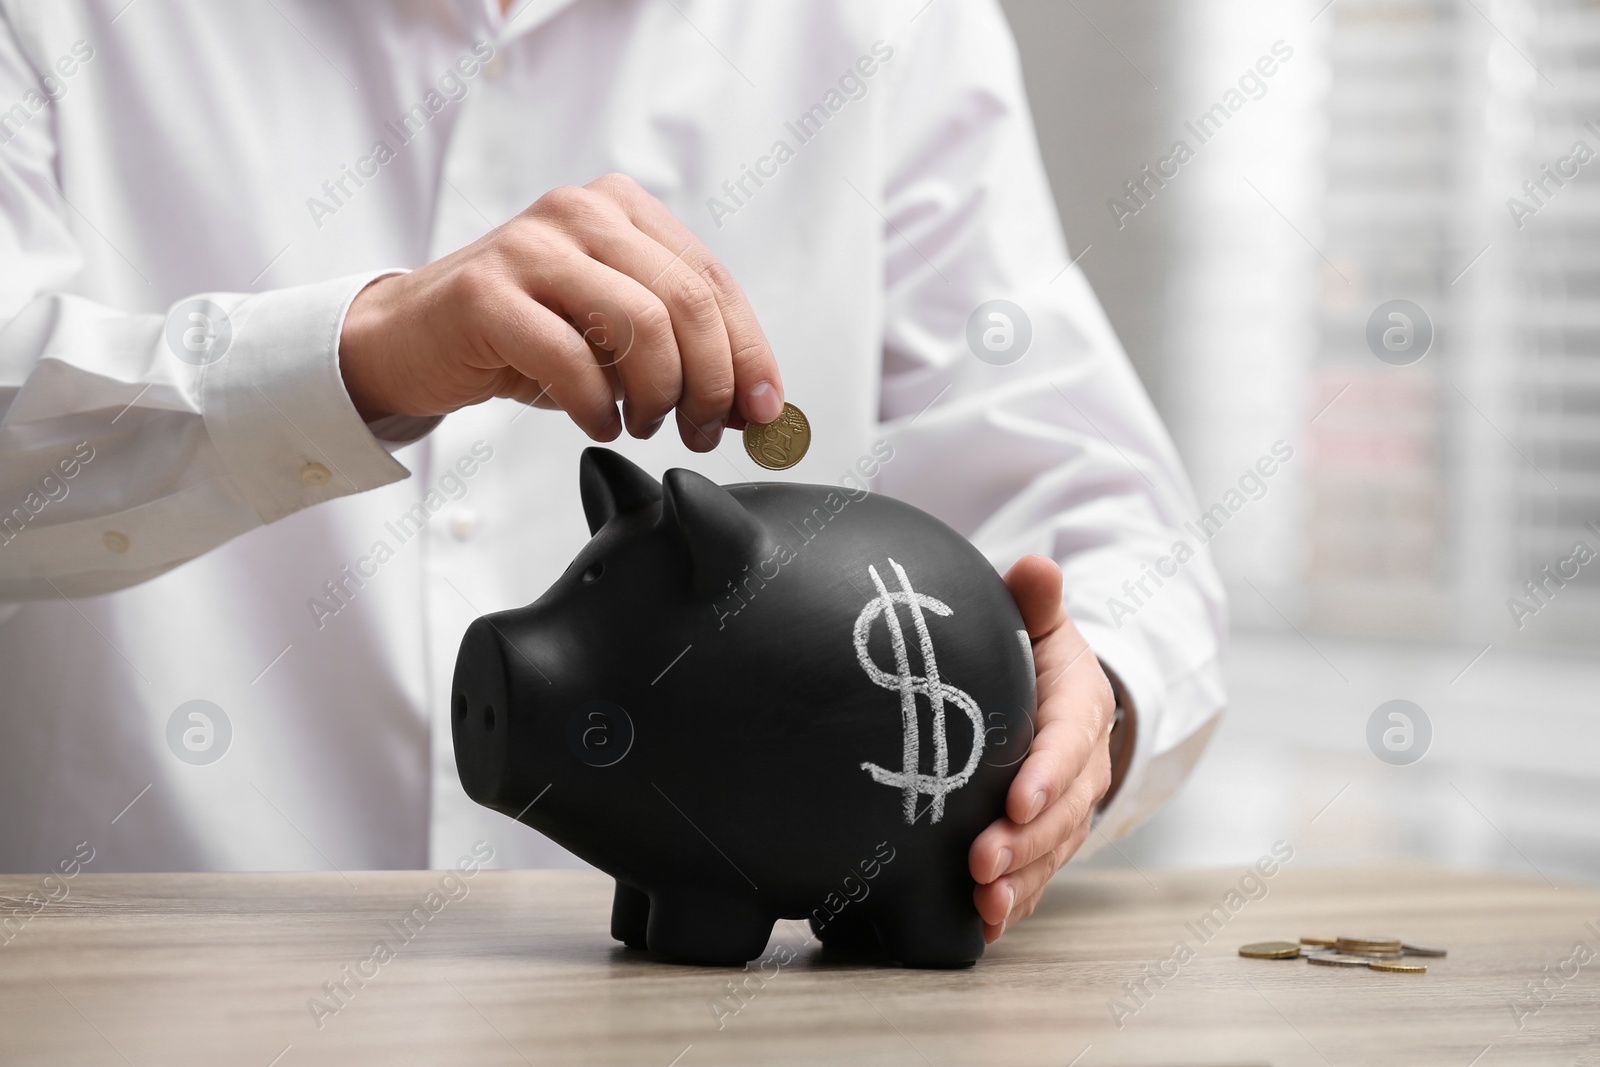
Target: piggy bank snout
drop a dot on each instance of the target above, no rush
(481, 717)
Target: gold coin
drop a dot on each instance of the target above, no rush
(1270, 950)
(781, 443)
(1320, 942)
(1398, 967)
(1335, 959)
(1368, 944)
(1418, 950)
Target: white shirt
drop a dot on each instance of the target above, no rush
(188, 150)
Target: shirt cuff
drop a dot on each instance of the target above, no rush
(276, 407)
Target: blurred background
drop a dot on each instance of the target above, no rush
(1432, 151)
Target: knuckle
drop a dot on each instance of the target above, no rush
(1040, 875)
(1035, 848)
(569, 204)
(475, 281)
(617, 185)
(563, 197)
(718, 276)
(651, 320)
(526, 238)
(714, 390)
(1056, 774)
(695, 297)
(1068, 815)
(751, 351)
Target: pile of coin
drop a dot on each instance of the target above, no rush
(1374, 953)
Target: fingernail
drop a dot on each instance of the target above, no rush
(1036, 806)
(1011, 898)
(763, 402)
(711, 433)
(1002, 864)
(650, 431)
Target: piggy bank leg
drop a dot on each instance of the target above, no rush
(930, 929)
(721, 930)
(848, 932)
(630, 912)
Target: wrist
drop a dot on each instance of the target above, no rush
(360, 352)
(1124, 729)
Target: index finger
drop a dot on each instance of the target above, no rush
(1068, 735)
(758, 387)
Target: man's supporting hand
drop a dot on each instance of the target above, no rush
(1068, 769)
(592, 295)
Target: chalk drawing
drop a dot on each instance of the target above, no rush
(911, 782)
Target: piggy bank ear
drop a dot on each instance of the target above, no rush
(612, 486)
(720, 535)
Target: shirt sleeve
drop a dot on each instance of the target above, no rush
(1048, 443)
(132, 442)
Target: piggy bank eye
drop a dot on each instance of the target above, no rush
(593, 573)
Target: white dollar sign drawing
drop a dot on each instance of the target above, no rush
(911, 782)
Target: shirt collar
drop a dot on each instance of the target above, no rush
(524, 17)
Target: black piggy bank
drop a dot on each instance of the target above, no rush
(754, 702)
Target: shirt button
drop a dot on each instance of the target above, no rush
(115, 540)
(315, 475)
(463, 524)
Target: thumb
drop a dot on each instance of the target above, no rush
(1035, 584)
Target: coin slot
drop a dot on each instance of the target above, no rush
(488, 717)
(461, 707)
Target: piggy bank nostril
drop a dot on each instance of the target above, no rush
(488, 717)
(593, 573)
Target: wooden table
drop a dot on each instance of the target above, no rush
(219, 969)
